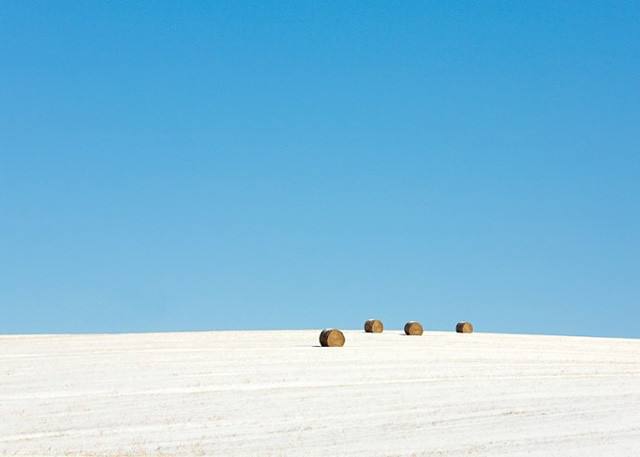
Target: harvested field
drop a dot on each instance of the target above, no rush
(279, 394)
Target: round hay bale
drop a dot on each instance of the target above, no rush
(373, 326)
(413, 328)
(464, 327)
(331, 337)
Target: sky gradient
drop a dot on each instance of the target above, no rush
(226, 165)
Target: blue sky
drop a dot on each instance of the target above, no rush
(222, 165)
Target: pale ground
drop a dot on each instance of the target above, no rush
(275, 393)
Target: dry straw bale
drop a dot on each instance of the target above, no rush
(413, 328)
(330, 337)
(464, 327)
(373, 326)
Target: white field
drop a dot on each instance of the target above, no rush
(278, 394)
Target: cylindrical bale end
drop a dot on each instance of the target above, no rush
(373, 326)
(331, 337)
(464, 327)
(413, 328)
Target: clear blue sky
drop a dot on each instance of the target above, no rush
(221, 165)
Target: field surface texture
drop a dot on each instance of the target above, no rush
(277, 393)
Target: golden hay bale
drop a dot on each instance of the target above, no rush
(464, 327)
(373, 326)
(413, 328)
(331, 337)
